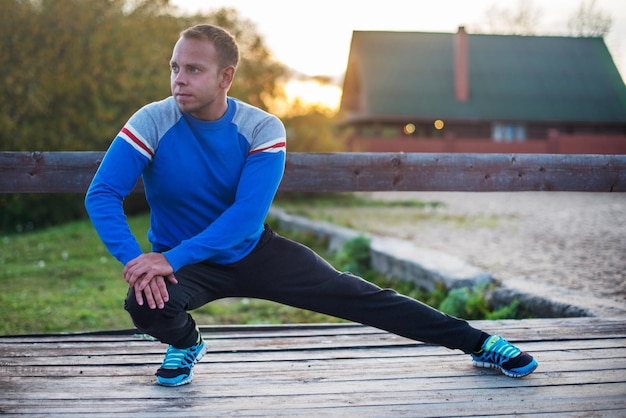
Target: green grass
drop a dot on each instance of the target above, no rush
(63, 279)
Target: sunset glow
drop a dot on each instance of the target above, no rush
(312, 93)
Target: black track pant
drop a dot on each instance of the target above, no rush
(284, 271)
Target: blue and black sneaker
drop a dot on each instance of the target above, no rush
(498, 353)
(177, 365)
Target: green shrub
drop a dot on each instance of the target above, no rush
(465, 303)
(354, 256)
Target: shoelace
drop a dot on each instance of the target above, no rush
(176, 358)
(500, 351)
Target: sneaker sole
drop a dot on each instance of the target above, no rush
(503, 370)
(173, 385)
(201, 354)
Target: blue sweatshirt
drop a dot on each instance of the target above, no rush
(209, 184)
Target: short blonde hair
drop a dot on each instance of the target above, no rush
(225, 43)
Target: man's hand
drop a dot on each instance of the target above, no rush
(146, 274)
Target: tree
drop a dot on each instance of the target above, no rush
(522, 21)
(75, 70)
(311, 130)
(587, 21)
(78, 69)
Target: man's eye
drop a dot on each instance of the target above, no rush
(194, 70)
(174, 68)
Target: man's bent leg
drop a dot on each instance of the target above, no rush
(169, 325)
(198, 285)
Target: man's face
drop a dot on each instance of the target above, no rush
(198, 85)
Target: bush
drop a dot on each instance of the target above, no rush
(465, 303)
(472, 304)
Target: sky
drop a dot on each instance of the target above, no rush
(314, 37)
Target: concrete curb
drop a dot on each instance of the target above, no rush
(402, 259)
(548, 301)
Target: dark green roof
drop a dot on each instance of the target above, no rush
(541, 78)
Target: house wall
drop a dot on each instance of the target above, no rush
(555, 144)
(587, 144)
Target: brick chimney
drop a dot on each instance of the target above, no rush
(461, 65)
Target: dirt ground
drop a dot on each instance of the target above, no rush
(573, 241)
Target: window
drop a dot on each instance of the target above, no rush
(508, 132)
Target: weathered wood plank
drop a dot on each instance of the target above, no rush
(348, 398)
(220, 365)
(609, 366)
(541, 328)
(348, 411)
(47, 172)
(298, 373)
(538, 329)
(300, 347)
(305, 383)
(71, 172)
(454, 172)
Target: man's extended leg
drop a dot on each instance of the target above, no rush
(290, 273)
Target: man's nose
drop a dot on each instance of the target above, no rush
(179, 78)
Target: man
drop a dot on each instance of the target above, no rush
(211, 166)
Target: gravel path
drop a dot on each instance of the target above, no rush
(574, 242)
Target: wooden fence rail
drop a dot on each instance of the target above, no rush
(71, 172)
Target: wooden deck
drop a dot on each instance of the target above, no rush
(318, 370)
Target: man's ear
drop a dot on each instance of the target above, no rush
(228, 74)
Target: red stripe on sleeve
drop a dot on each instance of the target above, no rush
(276, 145)
(137, 141)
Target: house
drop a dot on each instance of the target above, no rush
(460, 92)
